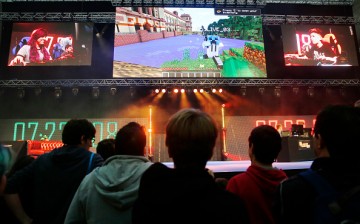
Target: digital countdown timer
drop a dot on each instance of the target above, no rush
(29, 129)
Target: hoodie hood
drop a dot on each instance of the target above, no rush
(266, 179)
(117, 181)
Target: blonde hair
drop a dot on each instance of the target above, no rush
(190, 137)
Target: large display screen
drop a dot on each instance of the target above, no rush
(49, 44)
(188, 42)
(319, 45)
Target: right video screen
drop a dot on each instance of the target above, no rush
(319, 45)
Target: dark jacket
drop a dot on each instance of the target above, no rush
(296, 197)
(185, 196)
(54, 178)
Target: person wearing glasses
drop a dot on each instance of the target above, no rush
(55, 176)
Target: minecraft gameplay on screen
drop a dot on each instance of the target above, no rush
(188, 43)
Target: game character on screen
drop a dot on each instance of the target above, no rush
(34, 51)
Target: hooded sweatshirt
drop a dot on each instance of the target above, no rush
(257, 187)
(108, 193)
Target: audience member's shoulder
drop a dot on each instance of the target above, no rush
(294, 182)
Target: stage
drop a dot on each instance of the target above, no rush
(229, 168)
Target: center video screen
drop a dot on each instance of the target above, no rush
(153, 42)
(51, 44)
(319, 45)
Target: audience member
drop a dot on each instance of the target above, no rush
(5, 159)
(108, 193)
(337, 164)
(258, 184)
(106, 148)
(357, 103)
(25, 195)
(279, 128)
(188, 193)
(54, 177)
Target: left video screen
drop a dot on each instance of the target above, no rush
(51, 44)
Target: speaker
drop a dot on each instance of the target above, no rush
(296, 149)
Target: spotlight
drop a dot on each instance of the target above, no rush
(261, 90)
(157, 90)
(132, 91)
(310, 91)
(342, 91)
(213, 90)
(57, 92)
(75, 91)
(21, 93)
(195, 90)
(220, 90)
(243, 91)
(176, 90)
(95, 92)
(295, 90)
(113, 91)
(277, 91)
(37, 91)
(201, 90)
(163, 90)
(182, 90)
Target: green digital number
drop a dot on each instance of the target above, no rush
(112, 129)
(16, 127)
(53, 124)
(35, 125)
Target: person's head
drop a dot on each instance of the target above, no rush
(264, 144)
(38, 36)
(279, 127)
(131, 140)
(357, 103)
(69, 48)
(78, 132)
(315, 35)
(190, 138)
(337, 132)
(106, 148)
(5, 159)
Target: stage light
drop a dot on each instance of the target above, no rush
(277, 91)
(220, 90)
(37, 91)
(195, 90)
(176, 90)
(132, 91)
(163, 90)
(95, 92)
(21, 93)
(261, 90)
(182, 90)
(113, 91)
(157, 90)
(310, 91)
(213, 90)
(201, 90)
(57, 92)
(342, 91)
(75, 91)
(243, 91)
(295, 90)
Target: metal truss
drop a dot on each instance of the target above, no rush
(198, 82)
(301, 19)
(109, 17)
